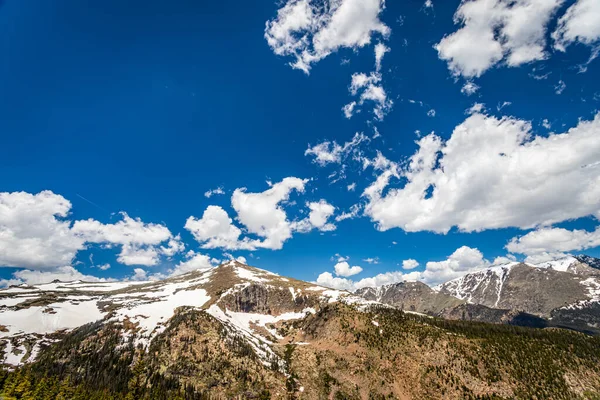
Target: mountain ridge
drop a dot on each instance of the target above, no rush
(237, 331)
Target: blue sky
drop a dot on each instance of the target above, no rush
(143, 107)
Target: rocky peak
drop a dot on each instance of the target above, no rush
(245, 299)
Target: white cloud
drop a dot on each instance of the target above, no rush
(352, 213)
(428, 4)
(543, 257)
(410, 264)
(139, 240)
(546, 124)
(310, 31)
(581, 23)
(348, 109)
(431, 113)
(493, 30)
(342, 268)
(380, 50)
(328, 280)
(139, 274)
(476, 108)
(351, 187)
(262, 214)
(554, 240)
(492, 173)
(64, 273)
(34, 232)
(370, 90)
(469, 88)
(371, 260)
(103, 267)
(194, 261)
(174, 246)
(241, 259)
(332, 153)
(500, 106)
(504, 259)
(320, 212)
(376, 133)
(216, 230)
(560, 87)
(463, 261)
(213, 192)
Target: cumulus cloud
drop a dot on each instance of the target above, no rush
(139, 274)
(262, 214)
(581, 23)
(320, 212)
(308, 31)
(410, 264)
(554, 240)
(328, 280)
(496, 30)
(139, 241)
(263, 219)
(35, 233)
(103, 267)
(34, 277)
(469, 88)
(193, 261)
(342, 268)
(544, 257)
(463, 261)
(216, 230)
(504, 259)
(330, 152)
(491, 173)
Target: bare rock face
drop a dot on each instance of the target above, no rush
(257, 298)
(411, 296)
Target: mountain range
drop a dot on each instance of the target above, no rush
(237, 331)
(562, 293)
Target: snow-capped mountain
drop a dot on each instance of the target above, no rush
(560, 290)
(410, 296)
(237, 331)
(247, 300)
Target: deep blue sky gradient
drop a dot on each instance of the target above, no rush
(142, 106)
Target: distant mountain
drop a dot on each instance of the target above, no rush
(563, 292)
(237, 331)
(411, 296)
(420, 298)
(566, 291)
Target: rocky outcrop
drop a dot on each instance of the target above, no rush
(411, 296)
